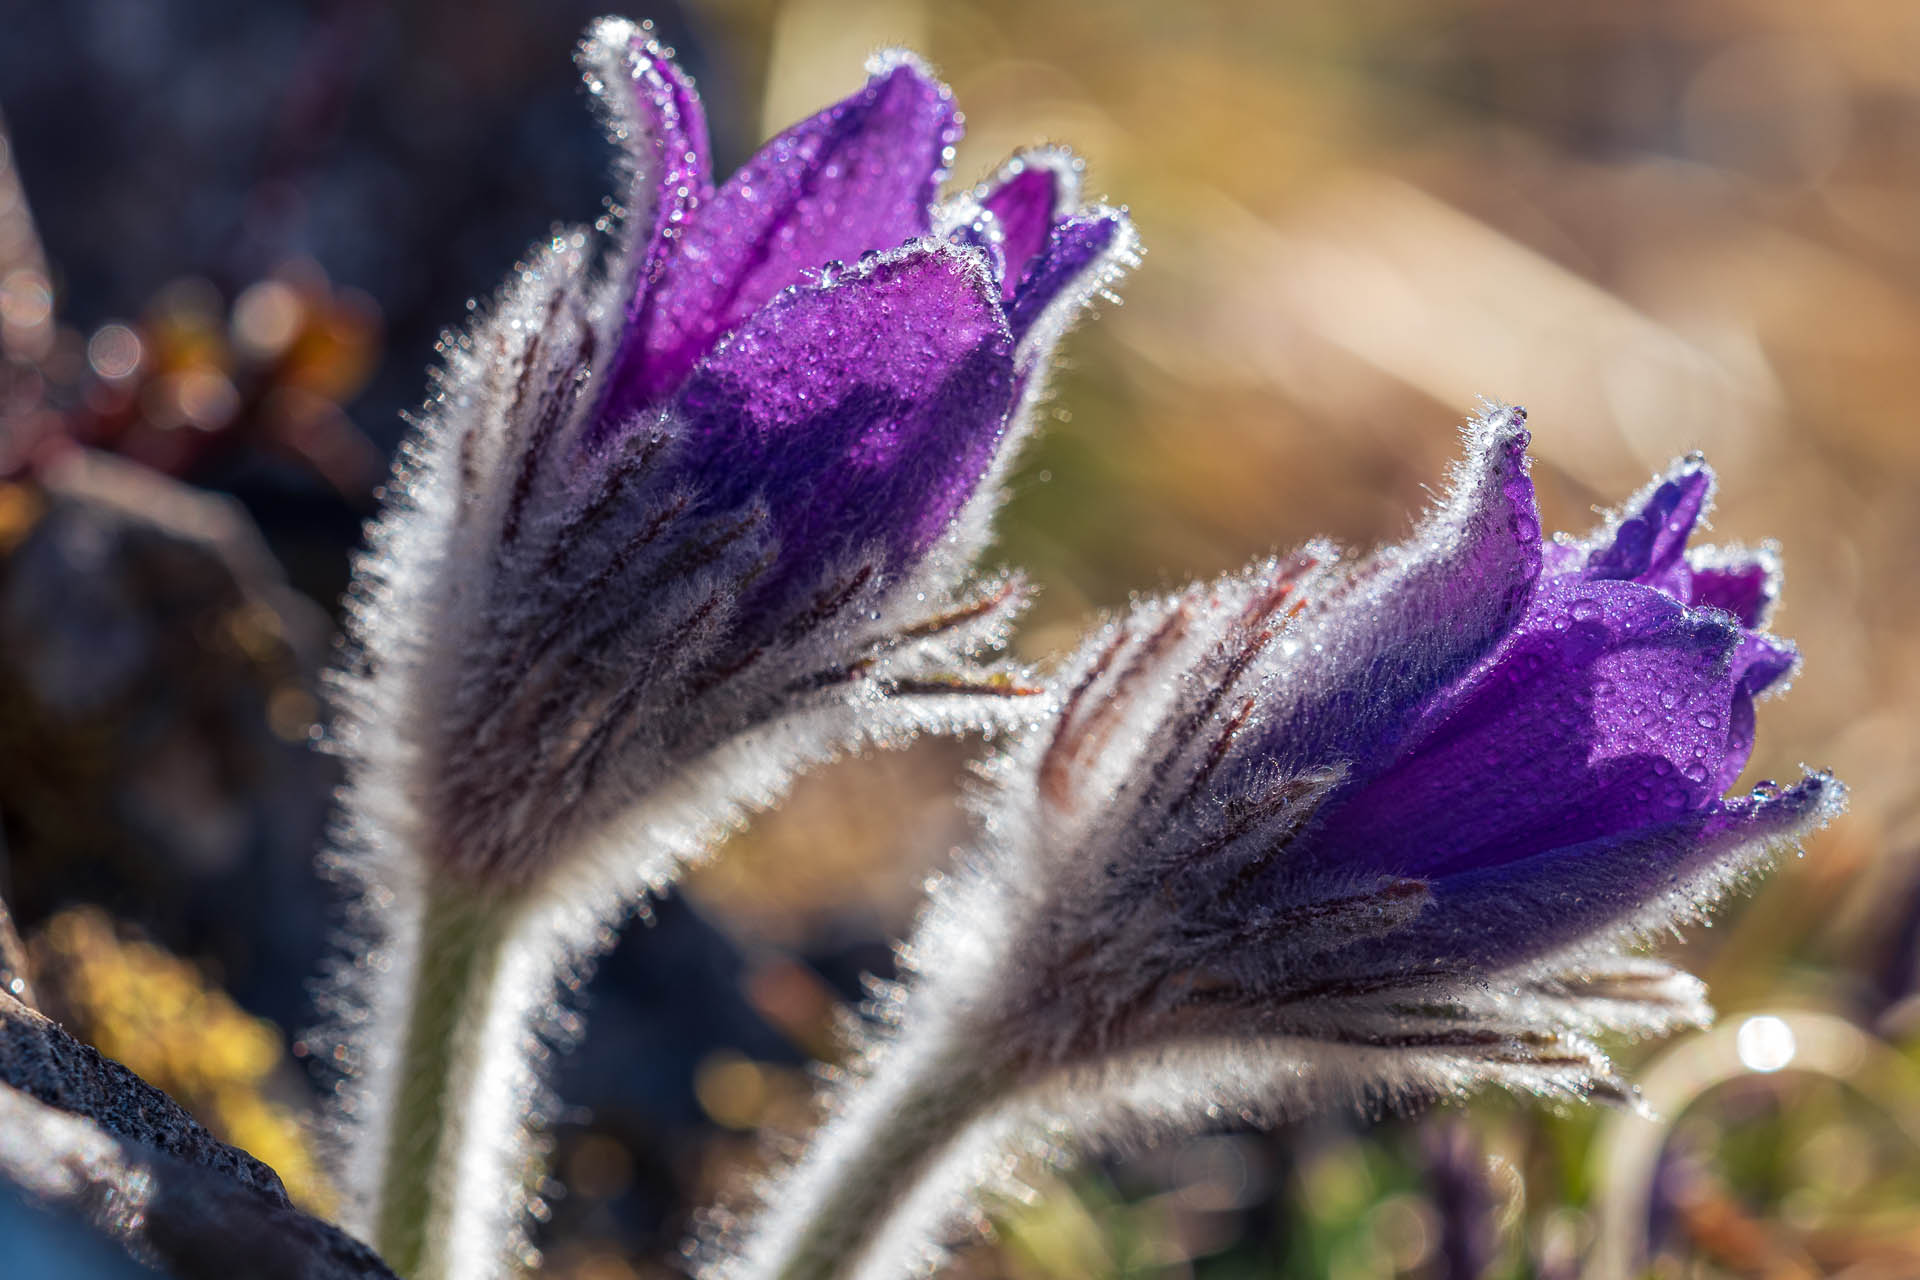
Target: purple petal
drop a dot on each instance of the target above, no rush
(1082, 244)
(1611, 709)
(1744, 583)
(1761, 661)
(858, 177)
(1493, 918)
(672, 174)
(863, 411)
(1413, 619)
(1032, 192)
(1649, 542)
(656, 117)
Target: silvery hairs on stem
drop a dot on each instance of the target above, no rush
(694, 504)
(1326, 833)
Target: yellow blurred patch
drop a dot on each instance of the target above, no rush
(156, 1014)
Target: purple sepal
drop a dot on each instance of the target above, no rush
(680, 178)
(1030, 195)
(1649, 543)
(858, 177)
(1761, 662)
(862, 410)
(1409, 623)
(1612, 705)
(1490, 918)
(1071, 248)
(1745, 585)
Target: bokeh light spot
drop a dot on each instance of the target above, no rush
(1765, 1044)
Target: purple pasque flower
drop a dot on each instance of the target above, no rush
(1325, 832)
(699, 509)
(1418, 802)
(693, 506)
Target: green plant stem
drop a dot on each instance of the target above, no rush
(462, 938)
(865, 1165)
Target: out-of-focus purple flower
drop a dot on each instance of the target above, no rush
(1332, 832)
(1456, 1172)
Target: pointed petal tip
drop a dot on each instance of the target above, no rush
(900, 60)
(1696, 481)
(1496, 471)
(901, 71)
(604, 46)
(1645, 539)
(1496, 442)
(1821, 796)
(1120, 218)
(1497, 416)
(1052, 163)
(647, 102)
(605, 33)
(1122, 249)
(1776, 816)
(1032, 193)
(598, 53)
(1745, 581)
(1766, 663)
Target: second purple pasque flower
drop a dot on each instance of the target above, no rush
(1414, 806)
(1328, 832)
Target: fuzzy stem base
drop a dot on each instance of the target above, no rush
(462, 940)
(867, 1163)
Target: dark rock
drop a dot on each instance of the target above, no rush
(83, 1136)
(40, 1060)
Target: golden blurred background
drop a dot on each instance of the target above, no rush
(1660, 227)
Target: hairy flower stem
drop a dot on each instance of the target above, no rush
(461, 945)
(867, 1166)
